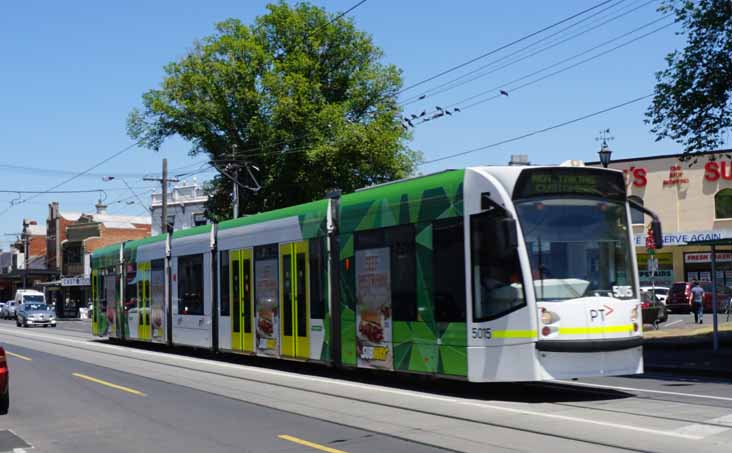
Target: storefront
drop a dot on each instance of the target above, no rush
(694, 203)
(68, 295)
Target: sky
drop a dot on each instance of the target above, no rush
(72, 71)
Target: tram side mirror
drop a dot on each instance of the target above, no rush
(657, 234)
(510, 233)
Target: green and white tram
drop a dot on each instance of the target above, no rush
(486, 274)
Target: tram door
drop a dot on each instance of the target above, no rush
(242, 336)
(294, 303)
(143, 301)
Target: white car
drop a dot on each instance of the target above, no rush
(660, 291)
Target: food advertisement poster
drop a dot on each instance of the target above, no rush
(373, 309)
(267, 319)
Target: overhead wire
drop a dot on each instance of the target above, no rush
(539, 131)
(508, 85)
(502, 47)
(460, 80)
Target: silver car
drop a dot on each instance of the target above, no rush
(33, 314)
(9, 310)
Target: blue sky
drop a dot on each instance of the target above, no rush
(72, 71)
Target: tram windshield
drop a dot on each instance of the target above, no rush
(578, 247)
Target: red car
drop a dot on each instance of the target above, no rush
(4, 388)
(679, 297)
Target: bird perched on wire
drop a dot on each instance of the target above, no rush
(437, 107)
(456, 110)
(424, 112)
(414, 117)
(503, 92)
(409, 122)
(422, 97)
(447, 112)
(437, 115)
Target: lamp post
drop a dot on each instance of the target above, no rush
(604, 152)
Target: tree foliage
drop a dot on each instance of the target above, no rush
(692, 101)
(302, 95)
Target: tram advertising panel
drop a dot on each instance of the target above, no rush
(157, 284)
(267, 319)
(373, 308)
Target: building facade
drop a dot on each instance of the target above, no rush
(694, 202)
(186, 207)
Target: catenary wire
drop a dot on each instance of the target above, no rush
(539, 131)
(500, 48)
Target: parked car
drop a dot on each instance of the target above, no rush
(653, 311)
(9, 311)
(31, 314)
(679, 298)
(4, 387)
(660, 291)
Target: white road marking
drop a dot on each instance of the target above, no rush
(726, 420)
(672, 323)
(632, 389)
(329, 381)
(701, 430)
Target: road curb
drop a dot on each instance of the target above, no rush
(673, 369)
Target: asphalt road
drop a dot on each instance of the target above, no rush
(682, 321)
(191, 403)
(63, 405)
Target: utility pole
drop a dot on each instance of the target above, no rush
(164, 183)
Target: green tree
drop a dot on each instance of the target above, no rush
(302, 95)
(692, 101)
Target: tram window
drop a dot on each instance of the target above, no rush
(496, 279)
(190, 285)
(224, 289)
(636, 215)
(401, 243)
(317, 274)
(247, 301)
(235, 293)
(448, 258)
(131, 287)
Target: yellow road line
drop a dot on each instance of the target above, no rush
(18, 356)
(109, 384)
(309, 444)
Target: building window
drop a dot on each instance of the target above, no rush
(723, 204)
(199, 219)
(636, 215)
(190, 285)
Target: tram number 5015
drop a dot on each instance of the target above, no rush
(482, 333)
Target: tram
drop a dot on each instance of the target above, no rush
(517, 273)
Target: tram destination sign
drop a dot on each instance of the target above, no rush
(570, 181)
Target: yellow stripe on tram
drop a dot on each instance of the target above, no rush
(309, 444)
(590, 330)
(513, 334)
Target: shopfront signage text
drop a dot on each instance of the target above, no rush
(706, 257)
(683, 238)
(636, 176)
(675, 177)
(714, 170)
(75, 281)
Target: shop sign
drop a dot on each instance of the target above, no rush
(714, 170)
(636, 176)
(683, 238)
(675, 177)
(706, 257)
(76, 281)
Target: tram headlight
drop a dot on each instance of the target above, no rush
(548, 317)
(634, 313)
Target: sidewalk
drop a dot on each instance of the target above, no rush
(689, 350)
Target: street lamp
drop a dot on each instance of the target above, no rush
(605, 154)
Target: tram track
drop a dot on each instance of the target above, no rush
(94, 346)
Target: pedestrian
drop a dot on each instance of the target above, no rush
(697, 301)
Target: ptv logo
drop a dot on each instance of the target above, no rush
(599, 314)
